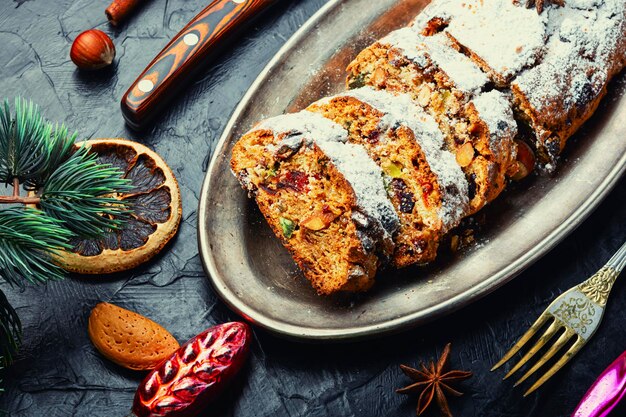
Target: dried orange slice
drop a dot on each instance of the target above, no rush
(157, 210)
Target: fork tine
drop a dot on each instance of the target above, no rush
(522, 341)
(550, 331)
(561, 341)
(580, 342)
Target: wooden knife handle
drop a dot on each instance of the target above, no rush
(176, 64)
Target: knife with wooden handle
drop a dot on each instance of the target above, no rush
(184, 55)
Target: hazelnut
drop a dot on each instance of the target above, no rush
(525, 161)
(92, 49)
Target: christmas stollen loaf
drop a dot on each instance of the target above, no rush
(584, 51)
(429, 131)
(323, 197)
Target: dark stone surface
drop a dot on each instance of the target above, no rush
(58, 372)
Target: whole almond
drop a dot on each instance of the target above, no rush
(129, 339)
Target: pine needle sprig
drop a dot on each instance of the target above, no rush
(23, 153)
(60, 149)
(10, 331)
(74, 196)
(27, 239)
(79, 193)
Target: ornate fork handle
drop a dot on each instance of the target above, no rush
(598, 286)
(576, 314)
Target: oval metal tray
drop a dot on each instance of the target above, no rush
(255, 275)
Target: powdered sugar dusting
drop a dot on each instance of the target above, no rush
(443, 9)
(400, 109)
(506, 36)
(495, 110)
(366, 179)
(438, 51)
(586, 48)
(461, 69)
(352, 161)
(303, 126)
(407, 41)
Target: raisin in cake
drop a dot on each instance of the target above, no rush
(427, 187)
(324, 198)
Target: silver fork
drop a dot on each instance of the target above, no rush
(578, 312)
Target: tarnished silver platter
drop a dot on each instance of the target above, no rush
(256, 277)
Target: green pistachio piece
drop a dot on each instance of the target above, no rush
(288, 226)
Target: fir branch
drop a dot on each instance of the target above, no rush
(76, 195)
(24, 153)
(27, 238)
(10, 331)
(60, 146)
(80, 193)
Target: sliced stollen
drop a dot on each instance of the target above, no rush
(587, 47)
(444, 82)
(495, 149)
(405, 60)
(502, 36)
(425, 184)
(439, 77)
(324, 198)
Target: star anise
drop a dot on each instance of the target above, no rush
(540, 3)
(433, 383)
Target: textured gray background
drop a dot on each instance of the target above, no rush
(58, 372)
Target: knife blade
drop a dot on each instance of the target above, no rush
(183, 57)
(606, 392)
